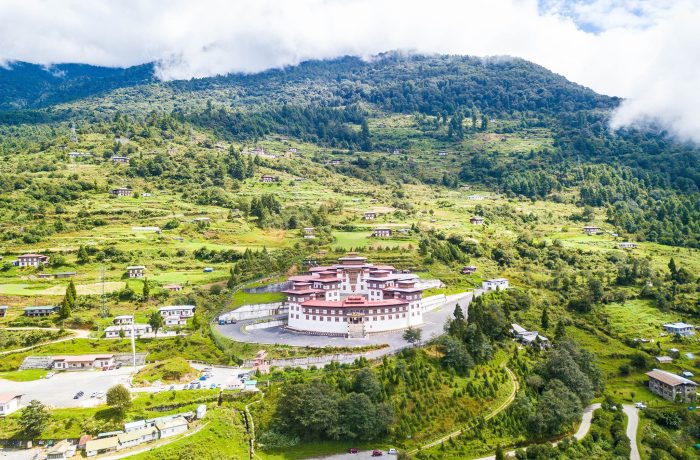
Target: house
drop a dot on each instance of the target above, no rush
(589, 230)
(133, 426)
(309, 233)
(627, 245)
(533, 337)
(83, 362)
(476, 220)
(687, 374)
(475, 197)
(31, 260)
(136, 437)
(671, 386)
(664, 359)
(682, 329)
(250, 385)
(135, 271)
(268, 178)
(197, 220)
(208, 269)
(121, 191)
(101, 446)
(82, 442)
(396, 151)
(3, 310)
(119, 159)
(9, 403)
(183, 311)
(74, 155)
(494, 284)
(261, 363)
(468, 270)
(172, 427)
(674, 352)
(123, 319)
(175, 320)
(146, 195)
(61, 450)
(336, 162)
(293, 150)
(173, 287)
(235, 383)
(45, 310)
(382, 232)
(139, 330)
(442, 153)
(517, 329)
(370, 215)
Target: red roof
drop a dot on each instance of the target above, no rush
(350, 302)
(303, 291)
(7, 397)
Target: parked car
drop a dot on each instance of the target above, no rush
(49, 375)
(212, 386)
(640, 405)
(393, 451)
(172, 387)
(78, 395)
(377, 453)
(353, 450)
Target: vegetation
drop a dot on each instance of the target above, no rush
(173, 370)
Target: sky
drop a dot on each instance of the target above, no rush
(647, 51)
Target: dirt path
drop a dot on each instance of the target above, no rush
(503, 406)
(632, 424)
(74, 334)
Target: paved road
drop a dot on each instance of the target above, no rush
(73, 334)
(432, 327)
(632, 424)
(58, 391)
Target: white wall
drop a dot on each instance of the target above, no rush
(256, 311)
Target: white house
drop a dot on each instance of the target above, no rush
(101, 446)
(9, 403)
(494, 284)
(123, 319)
(679, 328)
(175, 320)
(183, 311)
(136, 437)
(382, 232)
(133, 426)
(591, 230)
(627, 245)
(44, 310)
(172, 427)
(370, 215)
(83, 362)
(113, 332)
(61, 451)
(476, 220)
(31, 260)
(135, 271)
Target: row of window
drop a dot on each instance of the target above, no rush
(338, 319)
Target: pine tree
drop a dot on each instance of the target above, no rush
(83, 256)
(545, 319)
(146, 290)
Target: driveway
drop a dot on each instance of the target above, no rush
(58, 391)
(632, 424)
(432, 326)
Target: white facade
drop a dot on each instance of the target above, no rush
(135, 271)
(9, 403)
(31, 260)
(495, 283)
(175, 320)
(171, 428)
(82, 362)
(182, 311)
(112, 332)
(353, 298)
(123, 319)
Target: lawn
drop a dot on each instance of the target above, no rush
(24, 375)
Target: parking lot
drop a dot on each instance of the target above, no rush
(220, 376)
(58, 391)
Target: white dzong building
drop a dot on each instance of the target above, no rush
(353, 298)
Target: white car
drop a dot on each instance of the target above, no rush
(98, 394)
(49, 375)
(640, 405)
(392, 451)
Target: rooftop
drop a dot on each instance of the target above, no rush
(668, 378)
(7, 397)
(350, 302)
(102, 444)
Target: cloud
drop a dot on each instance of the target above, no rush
(644, 50)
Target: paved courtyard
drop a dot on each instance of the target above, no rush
(58, 391)
(433, 326)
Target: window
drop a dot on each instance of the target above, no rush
(313, 318)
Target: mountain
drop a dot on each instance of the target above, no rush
(398, 83)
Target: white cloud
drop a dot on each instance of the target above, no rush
(645, 50)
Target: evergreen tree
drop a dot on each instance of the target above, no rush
(155, 321)
(146, 290)
(83, 256)
(545, 319)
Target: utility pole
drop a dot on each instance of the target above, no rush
(133, 343)
(103, 310)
